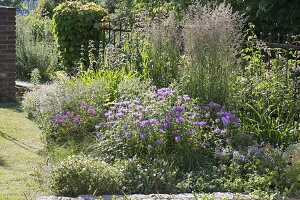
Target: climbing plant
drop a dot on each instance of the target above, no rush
(74, 27)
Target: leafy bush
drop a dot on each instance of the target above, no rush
(74, 26)
(163, 124)
(81, 174)
(60, 102)
(266, 94)
(147, 177)
(212, 37)
(35, 48)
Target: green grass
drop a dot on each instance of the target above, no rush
(20, 159)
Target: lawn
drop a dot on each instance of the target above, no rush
(20, 159)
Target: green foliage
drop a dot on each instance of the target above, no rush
(261, 13)
(11, 3)
(163, 52)
(35, 48)
(147, 177)
(212, 37)
(266, 94)
(74, 27)
(81, 174)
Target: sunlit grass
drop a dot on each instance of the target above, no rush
(20, 145)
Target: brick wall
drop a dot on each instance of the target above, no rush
(7, 54)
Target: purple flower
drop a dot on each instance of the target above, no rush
(136, 101)
(214, 105)
(125, 128)
(112, 123)
(226, 120)
(177, 138)
(178, 118)
(99, 134)
(127, 135)
(228, 140)
(186, 97)
(200, 124)
(57, 119)
(122, 110)
(178, 108)
(119, 114)
(143, 135)
(82, 104)
(207, 108)
(159, 141)
(217, 120)
(92, 111)
(101, 124)
(223, 131)
(207, 115)
(77, 119)
(204, 144)
(217, 130)
(189, 134)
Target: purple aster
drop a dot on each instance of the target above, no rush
(159, 141)
(112, 123)
(223, 131)
(178, 118)
(119, 114)
(82, 104)
(99, 134)
(125, 128)
(217, 120)
(143, 135)
(214, 105)
(178, 108)
(127, 135)
(228, 140)
(217, 131)
(207, 108)
(57, 119)
(136, 101)
(186, 97)
(207, 115)
(177, 138)
(201, 123)
(101, 124)
(77, 119)
(226, 120)
(92, 111)
(122, 110)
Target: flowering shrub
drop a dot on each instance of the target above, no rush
(74, 125)
(163, 123)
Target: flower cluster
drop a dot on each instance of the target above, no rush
(163, 119)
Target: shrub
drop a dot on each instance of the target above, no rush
(211, 38)
(81, 174)
(164, 124)
(35, 48)
(266, 93)
(74, 26)
(60, 102)
(143, 177)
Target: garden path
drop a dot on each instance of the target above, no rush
(20, 149)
